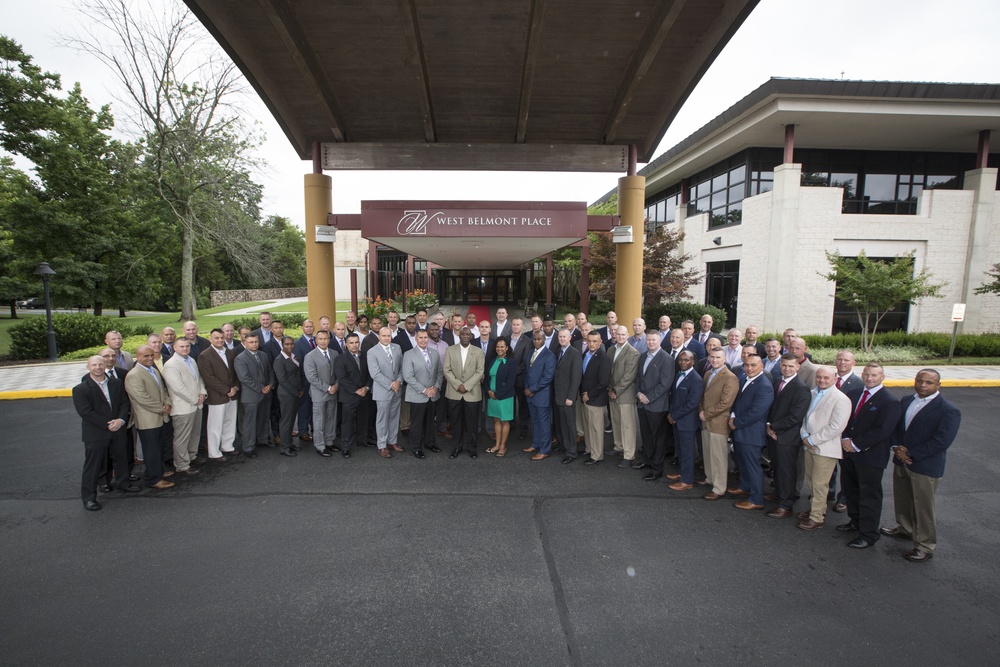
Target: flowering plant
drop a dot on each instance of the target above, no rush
(418, 299)
(376, 307)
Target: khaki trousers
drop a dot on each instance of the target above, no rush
(715, 454)
(187, 433)
(625, 425)
(913, 495)
(593, 431)
(818, 471)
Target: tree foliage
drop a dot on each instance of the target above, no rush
(992, 287)
(874, 287)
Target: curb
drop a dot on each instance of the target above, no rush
(946, 383)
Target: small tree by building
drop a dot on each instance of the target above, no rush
(992, 287)
(873, 287)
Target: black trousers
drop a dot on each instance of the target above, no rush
(151, 440)
(95, 456)
(784, 459)
(289, 408)
(863, 487)
(353, 423)
(422, 424)
(565, 419)
(464, 420)
(522, 414)
(654, 440)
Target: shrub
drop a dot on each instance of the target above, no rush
(884, 354)
(930, 344)
(678, 311)
(130, 344)
(73, 332)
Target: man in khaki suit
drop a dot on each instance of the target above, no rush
(188, 394)
(624, 418)
(147, 392)
(721, 390)
(464, 365)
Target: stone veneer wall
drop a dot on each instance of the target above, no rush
(223, 297)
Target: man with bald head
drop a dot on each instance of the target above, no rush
(167, 338)
(198, 344)
(566, 391)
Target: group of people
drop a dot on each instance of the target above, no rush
(685, 392)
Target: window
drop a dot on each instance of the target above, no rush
(661, 208)
(719, 191)
(845, 317)
(722, 281)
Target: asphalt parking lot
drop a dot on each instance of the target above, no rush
(313, 561)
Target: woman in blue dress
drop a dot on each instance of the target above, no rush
(500, 404)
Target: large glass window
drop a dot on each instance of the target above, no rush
(722, 282)
(720, 191)
(661, 209)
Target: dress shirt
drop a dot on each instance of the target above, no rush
(104, 389)
(768, 364)
(586, 360)
(680, 378)
(548, 339)
(817, 394)
(463, 352)
(440, 346)
(649, 358)
(485, 345)
(501, 326)
(290, 356)
(711, 376)
(190, 364)
(734, 357)
(222, 354)
(916, 406)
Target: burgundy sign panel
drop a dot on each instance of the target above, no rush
(429, 219)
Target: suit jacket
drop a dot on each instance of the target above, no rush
(685, 398)
(751, 408)
(517, 354)
(824, 425)
(656, 381)
(872, 428)
(402, 339)
(218, 377)
(606, 337)
(419, 377)
(506, 379)
(166, 351)
(505, 333)
(470, 375)
(931, 433)
(185, 387)
(717, 400)
(623, 366)
(368, 341)
(596, 379)
(807, 373)
(199, 345)
(569, 372)
(351, 376)
(758, 346)
(538, 376)
(696, 348)
(448, 336)
(302, 348)
(851, 383)
(253, 376)
(263, 347)
(384, 372)
(334, 345)
(288, 375)
(93, 408)
(147, 398)
(788, 410)
(490, 355)
(272, 348)
(320, 375)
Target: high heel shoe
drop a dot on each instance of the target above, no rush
(502, 453)
(492, 450)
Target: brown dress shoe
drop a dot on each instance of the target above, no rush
(681, 486)
(712, 495)
(918, 555)
(779, 513)
(189, 471)
(895, 532)
(802, 515)
(305, 437)
(809, 524)
(162, 484)
(737, 492)
(396, 448)
(673, 477)
(773, 497)
(529, 450)
(384, 453)
(702, 482)
(747, 505)
(539, 457)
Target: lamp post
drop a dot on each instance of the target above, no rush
(44, 270)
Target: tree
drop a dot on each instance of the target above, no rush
(992, 287)
(873, 287)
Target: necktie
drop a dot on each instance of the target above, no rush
(256, 358)
(153, 373)
(586, 360)
(534, 356)
(861, 403)
(111, 372)
(312, 343)
(357, 360)
(326, 355)
(781, 385)
(838, 382)
(673, 354)
(388, 351)
(680, 378)
(427, 360)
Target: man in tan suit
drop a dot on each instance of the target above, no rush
(188, 394)
(624, 419)
(147, 392)
(217, 366)
(464, 365)
(829, 411)
(721, 390)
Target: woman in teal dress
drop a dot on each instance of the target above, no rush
(500, 404)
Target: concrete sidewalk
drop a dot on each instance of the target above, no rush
(58, 379)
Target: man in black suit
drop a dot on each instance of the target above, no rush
(565, 392)
(450, 336)
(874, 416)
(594, 383)
(487, 343)
(519, 344)
(406, 337)
(103, 406)
(847, 381)
(167, 337)
(705, 330)
(263, 332)
(305, 344)
(607, 332)
(784, 423)
(118, 373)
(198, 343)
(351, 369)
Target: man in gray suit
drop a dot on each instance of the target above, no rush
(253, 368)
(318, 367)
(566, 391)
(422, 373)
(653, 379)
(385, 363)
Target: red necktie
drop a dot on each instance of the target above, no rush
(838, 382)
(782, 385)
(861, 403)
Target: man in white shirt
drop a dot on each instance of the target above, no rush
(502, 326)
(734, 350)
(188, 394)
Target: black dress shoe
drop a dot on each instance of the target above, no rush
(332, 448)
(133, 478)
(419, 454)
(592, 462)
(675, 461)
(325, 453)
(639, 465)
(105, 488)
(345, 454)
(250, 455)
(454, 454)
(568, 459)
(129, 488)
(651, 477)
(859, 543)
(473, 455)
(288, 452)
(296, 448)
(434, 448)
(91, 505)
(849, 527)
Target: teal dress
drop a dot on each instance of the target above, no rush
(502, 409)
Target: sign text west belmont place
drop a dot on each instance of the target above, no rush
(416, 222)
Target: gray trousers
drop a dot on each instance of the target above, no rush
(254, 426)
(289, 409)
(325, 423)
(387, 421)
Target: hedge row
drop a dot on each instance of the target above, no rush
(73, 332)
(966, 345)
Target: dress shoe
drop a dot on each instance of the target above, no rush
(529, 450)
(773, 497)
(522, 435)
(702, 482)
(849, 527)
(625, 463)
(454, 454)
(539, 457)
(568, 459)
(168, 473)
(592, 462)
(711, 495)
(199, 460)
(639, 465)
(217, 459)
(681, 486)
(809, 524)
(859, 543)
(305, 437)
(325, 453)
(405, 431)
(673, 477)
(105, 488)
(129, 488)
(295, 448)
(419, 454)
(189, 471)
(287, 452)
(162, 484)
(473, 455)
(803, 515)
(579, 438)
(275, 441)
(747, 505)
(675, 461)
(384, 453)
(840, 508)
(250, 454)
(651, 477)
(133, 477)
(737, 491)
(895, 532)
(332, 448)
(779, 513)
(91, 505)
(346, 454)
(915, 555)
(396, 448)
(434, 448)
(447, 435)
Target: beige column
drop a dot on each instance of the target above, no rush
(319, 256)
(779, 301)
(628, 272)
(977, 258)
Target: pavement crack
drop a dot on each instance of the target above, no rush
(572, 648)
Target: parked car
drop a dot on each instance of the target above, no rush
(33, 302)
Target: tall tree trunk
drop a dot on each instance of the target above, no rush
(98, 309)
(13, 309)
(187, 274)
(121, 312)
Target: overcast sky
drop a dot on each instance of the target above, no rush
(901, 40)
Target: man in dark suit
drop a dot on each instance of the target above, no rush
(288, 375)
(450, 336)
(519, 344)
(570, 323)
(303, 346)
(683, 417)
(874, 416)
(784, 446)
(594, 383)
(748, 423)
(263, 332)
(607, 332)
(487, 343)
(405, 338)
(705, 330)
(691, 343)
(751, 337)
(653, 380)
(256, 376)
(501, 328)
(926, 429)
(198, 343)
(103, 406)
(539, 371)
(565, 393)
(351, 369)
(273, 350)
(118, 373)
(167, 337)
(847, 381)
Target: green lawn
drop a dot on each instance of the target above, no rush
(303, 307)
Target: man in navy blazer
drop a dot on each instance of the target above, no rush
(874, 416)
(683, 416)
(654, 376)
(748, 422)
(927, 426)
(539, 370)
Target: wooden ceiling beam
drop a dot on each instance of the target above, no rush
(535, 19)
